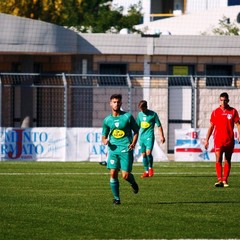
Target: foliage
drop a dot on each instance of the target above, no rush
(226, 28)
(85, 15)
(99, 17)
(134, 16)
(54, 11)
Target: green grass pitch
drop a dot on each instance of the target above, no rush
(72, 200)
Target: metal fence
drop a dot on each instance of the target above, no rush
(75, 100)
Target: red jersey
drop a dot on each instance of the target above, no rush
(223, 121)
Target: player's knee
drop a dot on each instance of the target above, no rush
(148, 152)
(125, 175)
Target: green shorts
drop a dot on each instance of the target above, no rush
(146, 144)
(121, 161)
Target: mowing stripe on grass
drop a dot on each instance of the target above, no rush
(166, 173)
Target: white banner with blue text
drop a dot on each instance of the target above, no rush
(59, 144)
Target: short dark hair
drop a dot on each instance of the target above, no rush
(117, 96)
(142, 103)
(224, 94)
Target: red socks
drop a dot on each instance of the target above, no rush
(219, 170)
(225, 170)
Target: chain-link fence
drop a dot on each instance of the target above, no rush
(75, 100)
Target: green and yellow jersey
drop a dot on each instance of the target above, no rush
(146, 121)
(119, 130)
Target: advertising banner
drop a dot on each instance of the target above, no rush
(59, 144)
(189, 146)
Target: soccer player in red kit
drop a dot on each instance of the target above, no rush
(222, 122)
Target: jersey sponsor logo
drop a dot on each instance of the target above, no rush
(145, 124)
(117, 133)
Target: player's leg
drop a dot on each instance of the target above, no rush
(114, 167)
(144, 160)
(150, 160)
(103, 162)
(227, 166)
(126, 167)
(145, 165)
(218, 166)
(149, 155)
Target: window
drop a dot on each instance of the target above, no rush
(219, 75)
(37, 67)
(17, 67)
(113, 74)
(180, 75)
(233, 2)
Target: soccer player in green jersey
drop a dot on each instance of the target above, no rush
(146, 120)
(120, 133)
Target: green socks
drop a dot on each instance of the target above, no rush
(114, 184)
(150, 160)
(145, 163)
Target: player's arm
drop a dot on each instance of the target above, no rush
(158, 122)
(105, 133)
(162, 138)
(209, 133)
(134, 141)
(105, 140)
(135, 129)
(238, 127)
(138, 120)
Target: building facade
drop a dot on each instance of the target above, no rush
(158, 9)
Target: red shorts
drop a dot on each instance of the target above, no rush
(228, 148)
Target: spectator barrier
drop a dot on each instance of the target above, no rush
(189, 146)
(59, 144)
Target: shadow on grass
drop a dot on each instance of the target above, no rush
(200, 202)
(183, 175)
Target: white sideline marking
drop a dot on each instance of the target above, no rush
(59, 173)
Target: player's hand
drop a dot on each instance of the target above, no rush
(131, 146)
(206, 144)
(105, 141)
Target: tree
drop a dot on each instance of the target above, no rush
(226, 28)
(99, 17)
(134, 16)
(53, 11)
(85, 15)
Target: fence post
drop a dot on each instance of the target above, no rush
(65, 99)
(233, 81)
(129, 94)
(194, 86)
